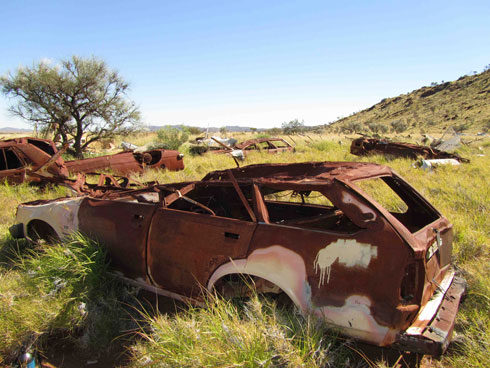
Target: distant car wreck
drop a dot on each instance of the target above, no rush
(367, 146)
(128, 162)
(240, 150)
(20, 157)
(318, 232)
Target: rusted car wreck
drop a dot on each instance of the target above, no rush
(380, 274)
(269, 145)
(367, 146)
(128, 162)
(19, 157)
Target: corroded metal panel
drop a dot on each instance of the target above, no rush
(123, 227)
(128, 162)
(185, 248)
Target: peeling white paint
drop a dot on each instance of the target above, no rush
(348, 252)
(286, 269)
(277, 264)
(349, 199)
(355, 319)
(62, 216)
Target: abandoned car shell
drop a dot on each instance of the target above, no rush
(18, 155)
(128, 162)
(309, 230)
(367, 146)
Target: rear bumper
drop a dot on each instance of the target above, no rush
(431, 331)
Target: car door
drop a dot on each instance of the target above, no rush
(188, 241)
(122, 226)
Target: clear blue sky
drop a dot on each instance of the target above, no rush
(253, 63)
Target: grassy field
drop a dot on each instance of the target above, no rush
(64, 292)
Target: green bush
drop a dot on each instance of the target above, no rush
(172, 138)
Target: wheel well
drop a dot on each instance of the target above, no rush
(41, 230)
(244, 285)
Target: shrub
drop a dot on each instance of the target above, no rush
(172, 138)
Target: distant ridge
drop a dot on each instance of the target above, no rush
(15, 130)
(229, 128)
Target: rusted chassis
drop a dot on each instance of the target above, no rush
(381, 277)
(369, 146)
(269, 145)
(128, 162)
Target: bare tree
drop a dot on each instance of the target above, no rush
(79, 98)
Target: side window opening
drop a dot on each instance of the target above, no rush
(280, 144)
(305, 209)
(400, 200)
(11, 161)
(223, 201)
(3, 160)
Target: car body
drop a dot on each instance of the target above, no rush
(17, 155)
(370, 146)
(128, 162)
(21, 156)
(269, 145)
(309, 230)
(240, 150)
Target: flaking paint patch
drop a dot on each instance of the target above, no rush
(62, 216)
(355, 318)
(289, 273)
(277, 264)
(349, 199)
(348, 252)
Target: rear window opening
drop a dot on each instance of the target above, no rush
(46, 147)
(401, 201)
(305, 209)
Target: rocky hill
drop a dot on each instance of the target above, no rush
(463, 104)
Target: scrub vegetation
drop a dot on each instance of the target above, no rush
(53, 291)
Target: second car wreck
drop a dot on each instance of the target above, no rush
(368, 146)
(128, 162)
(316, 231)
(19, 157)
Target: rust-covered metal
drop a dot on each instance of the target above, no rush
(18, 155)
(309, 230)
(269, 145)
(128, 162)
(367, 146)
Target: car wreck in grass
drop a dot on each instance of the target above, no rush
(128, 162)
(240, 150)
(18, 156)
(352, 243)
(368, 146)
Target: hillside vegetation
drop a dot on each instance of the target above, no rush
(463, 104)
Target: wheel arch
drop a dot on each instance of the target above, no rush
(278, 266)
